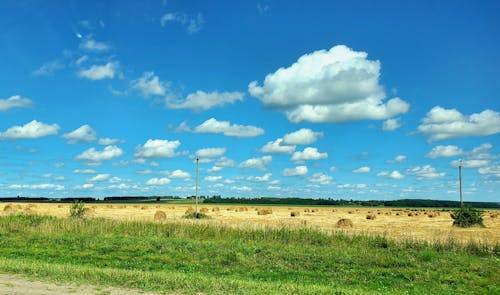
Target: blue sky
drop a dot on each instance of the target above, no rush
(340, 99)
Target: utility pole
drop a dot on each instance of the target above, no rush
(196, 196)
(460, 182)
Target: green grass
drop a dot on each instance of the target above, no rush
(192, 258)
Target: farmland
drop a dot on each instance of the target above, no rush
(251, 249)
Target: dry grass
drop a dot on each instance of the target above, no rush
(160, 216)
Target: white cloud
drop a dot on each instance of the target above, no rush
(391, 124)
(394, 174)
(108, 141)
(157, 148)
(445, 151)
(215, 168)
(471, 163)
(277, 147)
(149, 85)
(309, 153)
(48, 68)
(364, 169)
(99, 72)
(321, 178)
(85, 186)
(84, 133)
(158, 181)
(33, 129)
(481, 152)
(201, 101)
(264, 178)
(258, 163)
(192, 23)
(493, 170)
(338, 85)
(84, 171)
(397, 159)
(299, 170)
(93, 45)
(93, 155)
(440, 124)
(43, 186)
(180, 174)
(301, 136)
(15, 101)
(241, 188)
(99, 177)
(211, 152)
(225, 162)
(213, 126)
(212, 178)
(425, 172)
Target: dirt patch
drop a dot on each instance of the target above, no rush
(19, 285)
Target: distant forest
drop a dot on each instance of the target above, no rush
(341, 202)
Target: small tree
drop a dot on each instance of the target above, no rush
(467, 217)
(77, 210)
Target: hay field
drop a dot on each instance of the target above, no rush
(400, 224)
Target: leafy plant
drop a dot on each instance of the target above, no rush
(77, 210)
(467, 217)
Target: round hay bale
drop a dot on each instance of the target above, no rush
(160, 216)
(371, 216)
(204, 210)
(190, 210)
(9, 209)
(294, 214)
(215, 209)
(344, 222)
(494, 214)
(265, 212)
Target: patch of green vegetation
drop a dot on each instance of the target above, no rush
(193, 258)
(194, 215)
(467, 217)
(77, 210)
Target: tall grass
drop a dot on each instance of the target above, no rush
(267, 260)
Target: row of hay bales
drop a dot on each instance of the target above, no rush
(16, 208)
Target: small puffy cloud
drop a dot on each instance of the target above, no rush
(493, 170)
(364, 169)
(394, 174)
(397, 159)
(441, 124)
(338, 85)
(179, 174)
(258, 163)
(93, 155)
(241, 188)
(441, 151)
(158, 181)
(84, 171)
(320, 178)
(157, 148)
(308, 153)
(277, 147)
(99, 177)
(470, 163)
(48, 68)
(99, 72)
(82, 134)
(301, 136)
(481, 152)
(210, 152)
(93, 45)
(85, 186)
(299, 170)
(15, 101)
(225, 162)
(149, 85)
(212, 178)
(33, 129)
(108, 141)
(192, 23)
(213, 126)
(202, 101)
(264, 178)
(391, 124)
(43, 186)
(215, 169)
(425, 172)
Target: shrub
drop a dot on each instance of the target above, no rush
(467, 217)
(77, 210)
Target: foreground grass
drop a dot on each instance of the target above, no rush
(191, 258)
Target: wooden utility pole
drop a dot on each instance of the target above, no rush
(196, 196)
(460, 183)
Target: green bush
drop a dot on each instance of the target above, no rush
(467, 217)
(77, 210)
(195, 216)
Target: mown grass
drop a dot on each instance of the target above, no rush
(191, 258)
